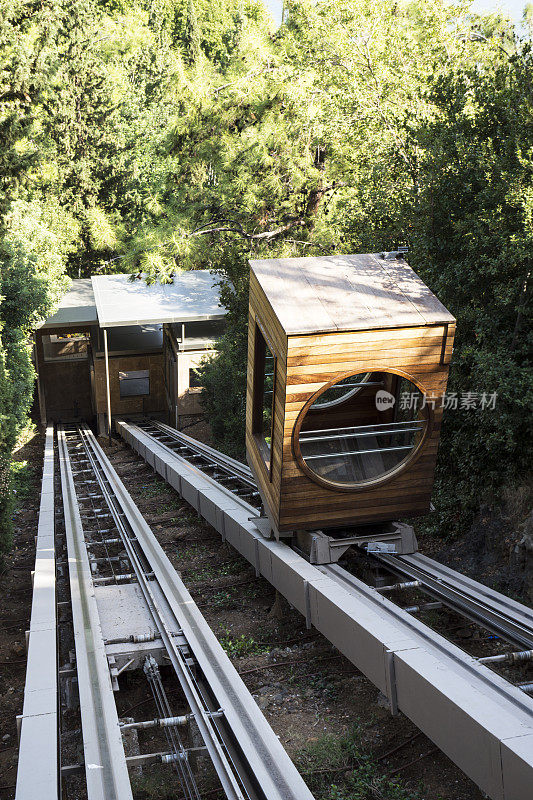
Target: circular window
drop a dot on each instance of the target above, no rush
(362, 429)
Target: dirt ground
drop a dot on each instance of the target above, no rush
(330, 718)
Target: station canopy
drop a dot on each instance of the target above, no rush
(121, 301)
(77, 307)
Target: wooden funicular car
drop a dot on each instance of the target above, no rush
(347, 367)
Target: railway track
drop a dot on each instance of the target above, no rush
(510, 620)
(475, 715)
(497, 613)
(131, 611)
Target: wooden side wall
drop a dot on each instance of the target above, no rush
(269, 485)
(189, 398)
(422, 353)
(64, 386)
(155, 401)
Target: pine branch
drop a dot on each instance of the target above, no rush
(251, 74)
(227, 225)
(237, 228)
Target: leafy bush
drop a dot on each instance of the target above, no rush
(242, 645)
(224, 375)
(32, 261)
(356, 775)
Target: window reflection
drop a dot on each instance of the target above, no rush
(264, 393)
(364, 434)
(268, 395)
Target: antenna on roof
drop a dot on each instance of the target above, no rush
(399, 253)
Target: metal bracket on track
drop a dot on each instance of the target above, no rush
(318, 547)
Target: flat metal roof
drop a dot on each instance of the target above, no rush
(120, 301)
(77, 307)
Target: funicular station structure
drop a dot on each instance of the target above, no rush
(347, 365)
(119, 346)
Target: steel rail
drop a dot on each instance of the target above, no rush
(475, 716)
(228, 464)
(188, 782)
(500, 614)
(165, 624)
(307, 436)
(182, 765)
(82, 466)
(371, 428)
(511, 620)
(106, 769)
(254, 755)
(357, 452)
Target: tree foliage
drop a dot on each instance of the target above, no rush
(35, 244)
(157, 135)
(473, 242)
(86, 101)
(411, 126)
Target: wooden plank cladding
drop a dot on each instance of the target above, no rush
(352, 414)
(346, 292)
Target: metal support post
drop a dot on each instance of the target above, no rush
(108, 390)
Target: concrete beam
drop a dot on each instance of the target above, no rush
(37, 774)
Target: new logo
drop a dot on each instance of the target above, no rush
(384, 400)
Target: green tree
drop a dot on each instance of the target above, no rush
(338, 141)
(305, 144)
(23, 75)
(157, 135)
(33, 253)
(473, 242)
(36, 234)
